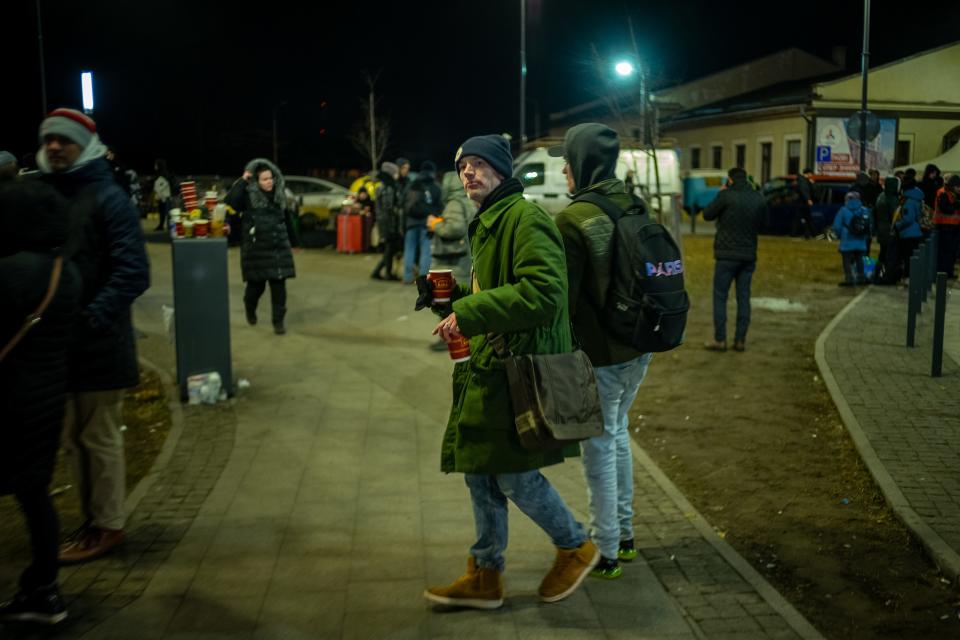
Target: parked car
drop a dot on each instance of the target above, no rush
(319, 200)
(783, 202)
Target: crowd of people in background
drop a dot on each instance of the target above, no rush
(898, 212)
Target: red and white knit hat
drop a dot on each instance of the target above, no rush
(69, 123)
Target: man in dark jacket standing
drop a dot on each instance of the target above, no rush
(33, 378)
(103, 359)
(591, 151)
(739, 212)
(387, 216)
(422, 200)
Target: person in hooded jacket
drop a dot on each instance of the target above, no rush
(853, 246)
(33, 377)
(112, 262)
(739, 212)
(450, 248)
(388, 219)
(886, 205)
(266, 238)
(591, 152)
(930, 184)
(422, 199)
(946, 217)
(907, 227)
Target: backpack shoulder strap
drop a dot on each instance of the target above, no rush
(608, 206)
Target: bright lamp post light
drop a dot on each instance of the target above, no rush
(624, 68)
(86, 83)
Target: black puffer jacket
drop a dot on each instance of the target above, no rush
(423, 199)
(387, 204)
(266, 230)
(33, 377)
(113, 264)
(739, 212)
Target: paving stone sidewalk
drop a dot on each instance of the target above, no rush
(322, 513)
(905, 423)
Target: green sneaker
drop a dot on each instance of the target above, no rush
(627, 552)
(607, 569)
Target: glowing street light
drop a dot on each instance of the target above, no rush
(86, 83)
(624, 68)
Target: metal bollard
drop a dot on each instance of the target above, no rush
(917, 284)
(939, 319)
(913, 300)
(932, 248)
(924, 272)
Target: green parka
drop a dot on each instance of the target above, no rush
(519, 290)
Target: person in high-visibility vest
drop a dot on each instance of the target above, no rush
(946, 217)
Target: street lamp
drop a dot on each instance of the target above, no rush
(86, 86)
(624, 68)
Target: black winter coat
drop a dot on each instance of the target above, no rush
(33, 377)
(265, 236)
(113, 265)
(740, 212)
(387, 202)
(424, 198)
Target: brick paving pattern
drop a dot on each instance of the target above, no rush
(323, 513)
(911, 420)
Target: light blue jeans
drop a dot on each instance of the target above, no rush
(534, 495)
(607, 460)
(415, 237)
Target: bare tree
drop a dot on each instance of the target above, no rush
(372, 133)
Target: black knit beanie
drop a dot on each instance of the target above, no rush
(493, 148)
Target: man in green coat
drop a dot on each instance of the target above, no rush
(591, 151)
(518, 289)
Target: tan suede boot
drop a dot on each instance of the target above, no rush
(569, 570)
(478, 588)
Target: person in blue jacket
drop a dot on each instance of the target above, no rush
(852, 226)
(907, 226)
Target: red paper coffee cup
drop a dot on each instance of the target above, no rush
(443, 282)
(200, 228)
(459, 349)
(179, 228)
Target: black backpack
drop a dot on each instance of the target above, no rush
(646, 304)
(858, 225)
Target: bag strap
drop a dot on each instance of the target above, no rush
(37, 315)
(608, 206)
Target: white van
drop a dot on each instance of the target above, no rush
(544, 182)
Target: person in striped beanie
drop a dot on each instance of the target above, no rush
(69, 141)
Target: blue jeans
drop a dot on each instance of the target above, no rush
(607, 460)
(534, 495)
(416, 237)
(725, 272)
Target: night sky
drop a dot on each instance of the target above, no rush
(197, 82)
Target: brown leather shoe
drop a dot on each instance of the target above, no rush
(715, 345)
(91, 544)
(740, 345)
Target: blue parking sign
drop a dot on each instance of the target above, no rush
(823, 153)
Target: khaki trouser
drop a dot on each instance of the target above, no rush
(94, 443)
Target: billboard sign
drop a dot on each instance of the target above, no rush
(838, 154)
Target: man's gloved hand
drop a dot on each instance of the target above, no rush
(424, 293)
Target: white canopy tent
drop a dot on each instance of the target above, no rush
(948, 162)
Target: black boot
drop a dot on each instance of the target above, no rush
(43, 605)
(251, 315)
(278, 327)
